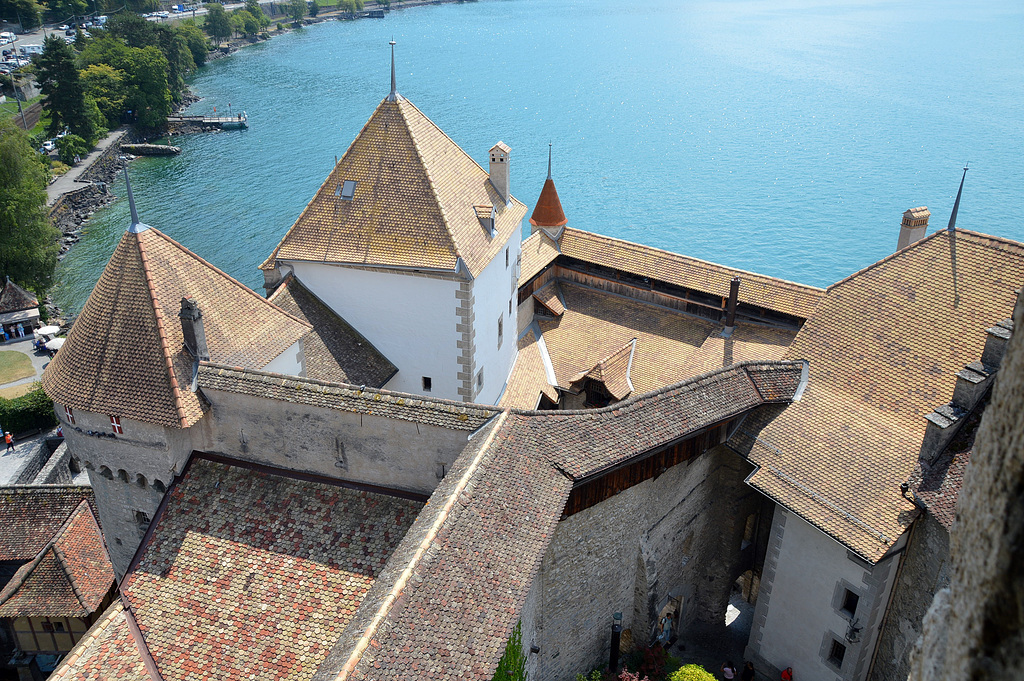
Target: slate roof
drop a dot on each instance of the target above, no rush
(107, 652)
(14, 298)
(413, 205)
(884, 347)
(334, 350)
(250, 571)
(402, 406)
(70, 577)
(449, 598)
(671, 346)
(31, 515)
(125, 354)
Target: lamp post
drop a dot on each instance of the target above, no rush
(613, 656)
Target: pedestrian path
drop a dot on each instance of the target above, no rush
(69, 180)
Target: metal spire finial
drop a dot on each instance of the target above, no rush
(394, 84)
(549, 160)
(956, 204)
(136, 225)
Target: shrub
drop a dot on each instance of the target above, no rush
(692, 672)
(512, 666)
(34, 410)
(70, 146)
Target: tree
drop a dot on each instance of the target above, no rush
(63, 93)
(27, 12)
(179, 59)
(217, 25)
(296, 10)
(148, 97)
(195, 39)
(70, 146)
(256, 10)
(28, 242)
(62, 10)
(134, 30)
(105, 85)
(351, 5)
(314, 7)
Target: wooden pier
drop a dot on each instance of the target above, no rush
(226, 122)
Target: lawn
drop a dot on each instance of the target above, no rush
(17, 390)
(14, 366)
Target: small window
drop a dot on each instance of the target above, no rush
(500, 330)
(48, 627)
(480, 379)
(837, 653)
(69, 413)
(348, 190)
(510, 306)
(850, 601)
(58, 627)
(115, 425)
(506, 257)
(142, 519)
(426, 384)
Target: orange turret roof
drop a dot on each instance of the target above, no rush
(548, 211)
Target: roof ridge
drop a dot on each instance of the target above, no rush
(224, 274)
(34, 563)
(62, 562)
(430, 177)
(388, 602)
(633, 244)
(95, 631)
(13, 586)
(284, 237)
(658, 392)
(162, 334)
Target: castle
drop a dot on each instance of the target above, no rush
(431, 430)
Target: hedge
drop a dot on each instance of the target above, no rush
(28, 412)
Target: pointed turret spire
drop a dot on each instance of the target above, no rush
(136, 226)
(393, 97)
(548, 211)
(956, 204)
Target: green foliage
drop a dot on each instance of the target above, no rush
(594, 675)
(63, 93)
(60, 10)
(351, 5)
(512, 665)
(28, 12)
(70, 146)
(280, 26)
(179, 59)
(242, 21)
(314, 7)
(254, 8)
(195, 39)
(217, 25)
(296, 9)
(28, 243)
(132, 29)
(105, 85)
(34, 410)
(692, 672)
(149, 99)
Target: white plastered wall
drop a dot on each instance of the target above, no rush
(410, 318)
(291, 362)
(492, 290)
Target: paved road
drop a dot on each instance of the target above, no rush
(69, 180)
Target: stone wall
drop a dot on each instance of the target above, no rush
(675, 536)
(57, 470)
(925, 570)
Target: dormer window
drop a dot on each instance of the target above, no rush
(486, 215)
(346, 190)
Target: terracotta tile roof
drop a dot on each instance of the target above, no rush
(439, 613)
(670, 345)
(70, 577)
(402, 406)
(14, 298)
(538, 251)
(612, 372)
(884, 347)
(528, 380)
(31, 516)
(334, 350)
(125, 355)
(106, 653)
(756, 289)
(550, 298)
(413, 204)
(548, 211)
(252, 572)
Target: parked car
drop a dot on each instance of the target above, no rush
(63, 27)
(69, 32)
(49, 146)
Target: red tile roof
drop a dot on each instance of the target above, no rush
(31, 515)
(548, 211)
(70, 577)
(249, 571)
(125, 355)
(106, 653)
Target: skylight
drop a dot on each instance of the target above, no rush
(347, 190)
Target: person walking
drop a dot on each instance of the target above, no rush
(748, 672)
(9, 439)
(728, 671)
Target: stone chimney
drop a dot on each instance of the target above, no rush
(192, 329)
(914, 226)
(499, 170)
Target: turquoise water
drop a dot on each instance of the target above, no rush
(781, 136)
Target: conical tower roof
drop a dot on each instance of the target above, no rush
(413, 205)
(125, 355)
(548, 211)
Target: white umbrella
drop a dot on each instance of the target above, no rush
(48, 331)
(55, 344)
